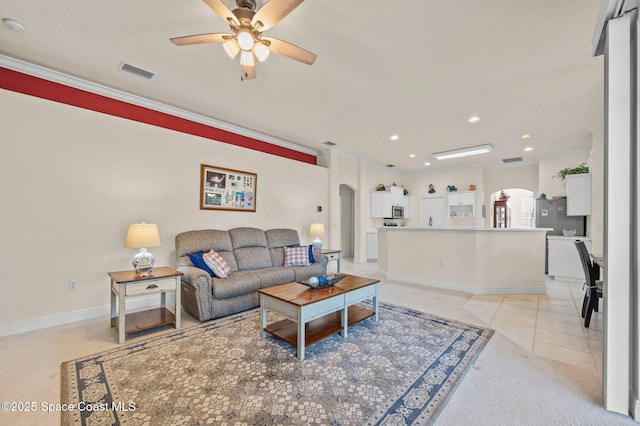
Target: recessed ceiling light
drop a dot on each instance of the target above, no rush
(14, 25)
(525, 136)
(474, 119)
(427, 164)
(412, 155)
(528, 149)
(394, 137)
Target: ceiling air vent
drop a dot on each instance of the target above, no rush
(329, 143)
(511, 160)
(136, 71)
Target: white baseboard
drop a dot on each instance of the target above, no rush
(446, 285)
(134, 304)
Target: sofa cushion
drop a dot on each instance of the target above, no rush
(217, 264)
(306, 272)
(236, 284)
(198, 262)
(277, 256)
(203, 240)
(282, 238)
(279, 238)
(296, 256)
(247, 237)
(276, 275)
(250, 258)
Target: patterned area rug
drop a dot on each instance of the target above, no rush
(399, 370)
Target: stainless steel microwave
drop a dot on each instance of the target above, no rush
(397, 212)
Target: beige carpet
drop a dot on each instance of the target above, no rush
(511, 387)
(399, 370)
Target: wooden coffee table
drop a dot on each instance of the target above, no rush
(312, 315)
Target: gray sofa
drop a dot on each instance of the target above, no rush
(256, 259)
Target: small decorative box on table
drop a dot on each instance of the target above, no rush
(127, 284)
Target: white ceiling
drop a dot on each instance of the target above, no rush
(419, 69)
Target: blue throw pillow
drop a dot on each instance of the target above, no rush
(196, 259)
(311, 259)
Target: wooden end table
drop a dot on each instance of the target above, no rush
(313, 315)
(127, 284)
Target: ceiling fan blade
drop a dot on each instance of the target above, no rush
(222, 11)
(200, 39)
(249, 72)
(273, 12)
(291, 51)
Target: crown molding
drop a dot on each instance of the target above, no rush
(563, 153)
(515, 164)
(109, 92)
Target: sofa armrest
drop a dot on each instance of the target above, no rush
(197, 278)
(196, 291)
(322, 259)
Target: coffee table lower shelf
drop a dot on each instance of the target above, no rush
(317, 329)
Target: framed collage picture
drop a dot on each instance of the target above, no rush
(227, 189)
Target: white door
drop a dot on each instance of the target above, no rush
(432, 212)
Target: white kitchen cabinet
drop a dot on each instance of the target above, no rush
(382, 201)
(462, 204)
(380, 205)
(577, 188)
(404, 202)
(564, 260)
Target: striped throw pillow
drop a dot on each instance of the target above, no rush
(217, 264)
(296, 256)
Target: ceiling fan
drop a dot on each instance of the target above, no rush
(247, 26)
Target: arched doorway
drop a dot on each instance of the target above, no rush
(517, 212)
(347, 219)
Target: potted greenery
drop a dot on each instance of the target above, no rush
(580, 169)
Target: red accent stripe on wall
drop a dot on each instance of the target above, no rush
(45, 89)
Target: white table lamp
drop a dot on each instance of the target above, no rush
(143, 235)
(316, 230)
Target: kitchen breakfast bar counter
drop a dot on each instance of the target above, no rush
(473, 260)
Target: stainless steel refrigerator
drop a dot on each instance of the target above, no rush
(552, 213)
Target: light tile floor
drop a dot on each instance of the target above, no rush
(547, 325)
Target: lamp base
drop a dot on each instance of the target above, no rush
(143, 262)
(317, 244)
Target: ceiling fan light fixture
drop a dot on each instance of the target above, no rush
(232, 47)
(246, 59)
(245, 39)
(261, 50)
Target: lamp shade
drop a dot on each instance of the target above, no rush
(316, 230)
(142, 235)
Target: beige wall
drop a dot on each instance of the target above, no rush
(524, 177)
(73, 180)
(549, 166)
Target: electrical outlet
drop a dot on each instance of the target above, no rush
(73, 285)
